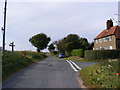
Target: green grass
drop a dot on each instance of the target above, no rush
(35, 56)
(77, 58)
(13, 62)
(52, 54)
(101, 75)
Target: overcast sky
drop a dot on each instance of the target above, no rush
(56, 19)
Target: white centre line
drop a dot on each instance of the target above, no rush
(75, 65)
(72, 66)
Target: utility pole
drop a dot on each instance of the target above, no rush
(3, 28)
(119, 13)
(12, 45)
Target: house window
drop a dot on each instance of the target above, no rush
(96, 48)
(106, 47)
(110, 38)
(105, 39)
(111, 47)
(96, 41)
(101, 48)
(100, 40)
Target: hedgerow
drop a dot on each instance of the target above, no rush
(78, 52)
(102, 54)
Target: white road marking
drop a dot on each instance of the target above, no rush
(72, 66)
(75, 65)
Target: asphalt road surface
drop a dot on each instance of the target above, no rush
(51, 72)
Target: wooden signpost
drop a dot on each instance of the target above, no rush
(12, 45)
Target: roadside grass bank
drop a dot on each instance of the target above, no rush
(77, 58)
(102, 75)
(35, 56)
(12, 63)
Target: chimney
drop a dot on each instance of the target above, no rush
(109, 24)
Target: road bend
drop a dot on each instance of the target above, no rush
(50, 72)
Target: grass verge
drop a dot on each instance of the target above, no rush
(13, 62)
(102, 75)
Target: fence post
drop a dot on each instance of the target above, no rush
(25, 53)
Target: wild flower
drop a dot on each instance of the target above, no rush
(98, 79)
(109, 60)
(109, 66)
(112, 60)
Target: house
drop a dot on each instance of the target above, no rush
(108, 38)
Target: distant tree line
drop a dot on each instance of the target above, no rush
(65, 45)
(72, 41)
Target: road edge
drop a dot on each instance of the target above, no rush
(80, 81)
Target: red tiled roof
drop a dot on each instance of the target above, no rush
(106, 32)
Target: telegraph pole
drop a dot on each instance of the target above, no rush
(12, 45)
(3, 28)
(119, 13)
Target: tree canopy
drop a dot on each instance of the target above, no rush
(40, 41)
(72, 41)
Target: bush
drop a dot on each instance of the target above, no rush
(53, 52)
(102, 54)
(78, 52)
(12, 62)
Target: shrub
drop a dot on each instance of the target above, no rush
(78, 52)
(102, 54)
(53, 52)
(12, 62)
(67, 53)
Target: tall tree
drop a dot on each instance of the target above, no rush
(67, 44)
(91, 46)
(40, 41)
(72, 41)
(84, 43)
